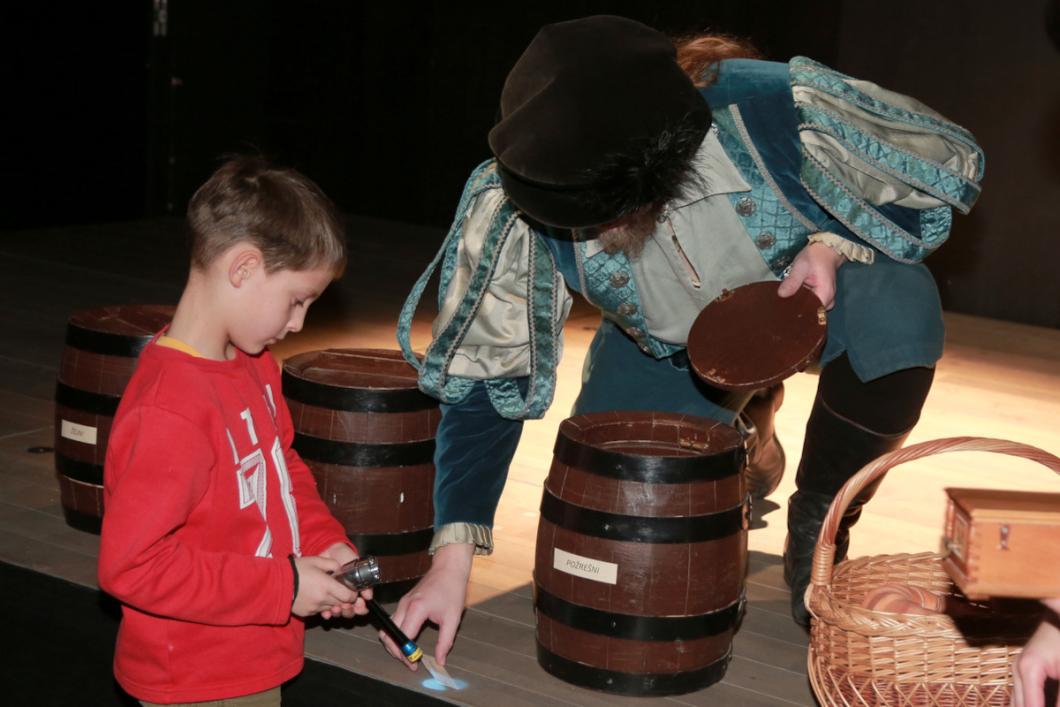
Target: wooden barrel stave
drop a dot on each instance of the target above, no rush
(380, 498)
(368, 427)
(589, 490)
(710, 586)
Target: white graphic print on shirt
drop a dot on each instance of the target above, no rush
(252, 478)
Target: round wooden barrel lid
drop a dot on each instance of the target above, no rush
(371, 380)
(348, 368)
(751, 338)
(119, 330)
(125, 320)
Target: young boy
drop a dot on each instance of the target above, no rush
(215, 539)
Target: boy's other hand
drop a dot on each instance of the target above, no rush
(343, 553)
(318, 591)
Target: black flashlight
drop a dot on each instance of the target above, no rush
(360, 573)
(363, 573)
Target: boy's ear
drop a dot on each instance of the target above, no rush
(245, 262)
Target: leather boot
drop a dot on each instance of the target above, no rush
(835, 449)
(765, 456)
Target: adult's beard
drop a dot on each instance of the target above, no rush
(630, 235)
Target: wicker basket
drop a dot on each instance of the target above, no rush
(861, 656)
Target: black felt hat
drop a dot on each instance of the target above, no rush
(597, 121)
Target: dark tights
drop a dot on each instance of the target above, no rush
(889, 405)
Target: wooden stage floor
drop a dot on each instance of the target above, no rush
(996, 379)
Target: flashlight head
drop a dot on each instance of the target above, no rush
(360, 574)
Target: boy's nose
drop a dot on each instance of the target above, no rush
(295, 325)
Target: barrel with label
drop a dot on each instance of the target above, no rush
(641, 552)
(102, 346)
(367, 433)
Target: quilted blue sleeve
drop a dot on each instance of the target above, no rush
(885, 166)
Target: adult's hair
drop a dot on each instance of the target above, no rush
(278, 210)
(698, 55)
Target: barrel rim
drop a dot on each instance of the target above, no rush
(351, 398)
(726, 458)
(81, 335)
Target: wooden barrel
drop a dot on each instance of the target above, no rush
(641, 552)
(367, 433)
(102, 346)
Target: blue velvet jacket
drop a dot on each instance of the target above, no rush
(820, 152)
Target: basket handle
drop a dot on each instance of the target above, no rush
(824, 553)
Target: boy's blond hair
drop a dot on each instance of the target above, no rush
(278, 210)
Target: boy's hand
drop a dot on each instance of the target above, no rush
(343, 553)
(318, 591)
(815, 267)
(438, 597)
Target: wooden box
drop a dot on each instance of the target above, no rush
(1003, 543)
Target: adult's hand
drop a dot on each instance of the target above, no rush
(438, 597)
(814, 267)
(1039, 661)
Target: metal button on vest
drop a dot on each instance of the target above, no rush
(636, 333)
(781, 263)
(745, 206)
(765, 240)
(619, 279)
(626, 309)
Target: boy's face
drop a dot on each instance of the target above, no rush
(275, 304)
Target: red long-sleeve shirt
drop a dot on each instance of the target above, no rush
(204, 501)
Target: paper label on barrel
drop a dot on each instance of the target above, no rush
(78, 433)
(587, 567)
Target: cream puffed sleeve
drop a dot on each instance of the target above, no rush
(886, 166)
(497, 339)
(501, 308)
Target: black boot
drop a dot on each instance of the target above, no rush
(835, 450)
(765, 456)
(836, 447)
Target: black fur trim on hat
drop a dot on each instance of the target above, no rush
(650, 172)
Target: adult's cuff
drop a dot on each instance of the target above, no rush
(850, 250)
(480, 536)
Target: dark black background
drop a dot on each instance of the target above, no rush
(114, 115)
